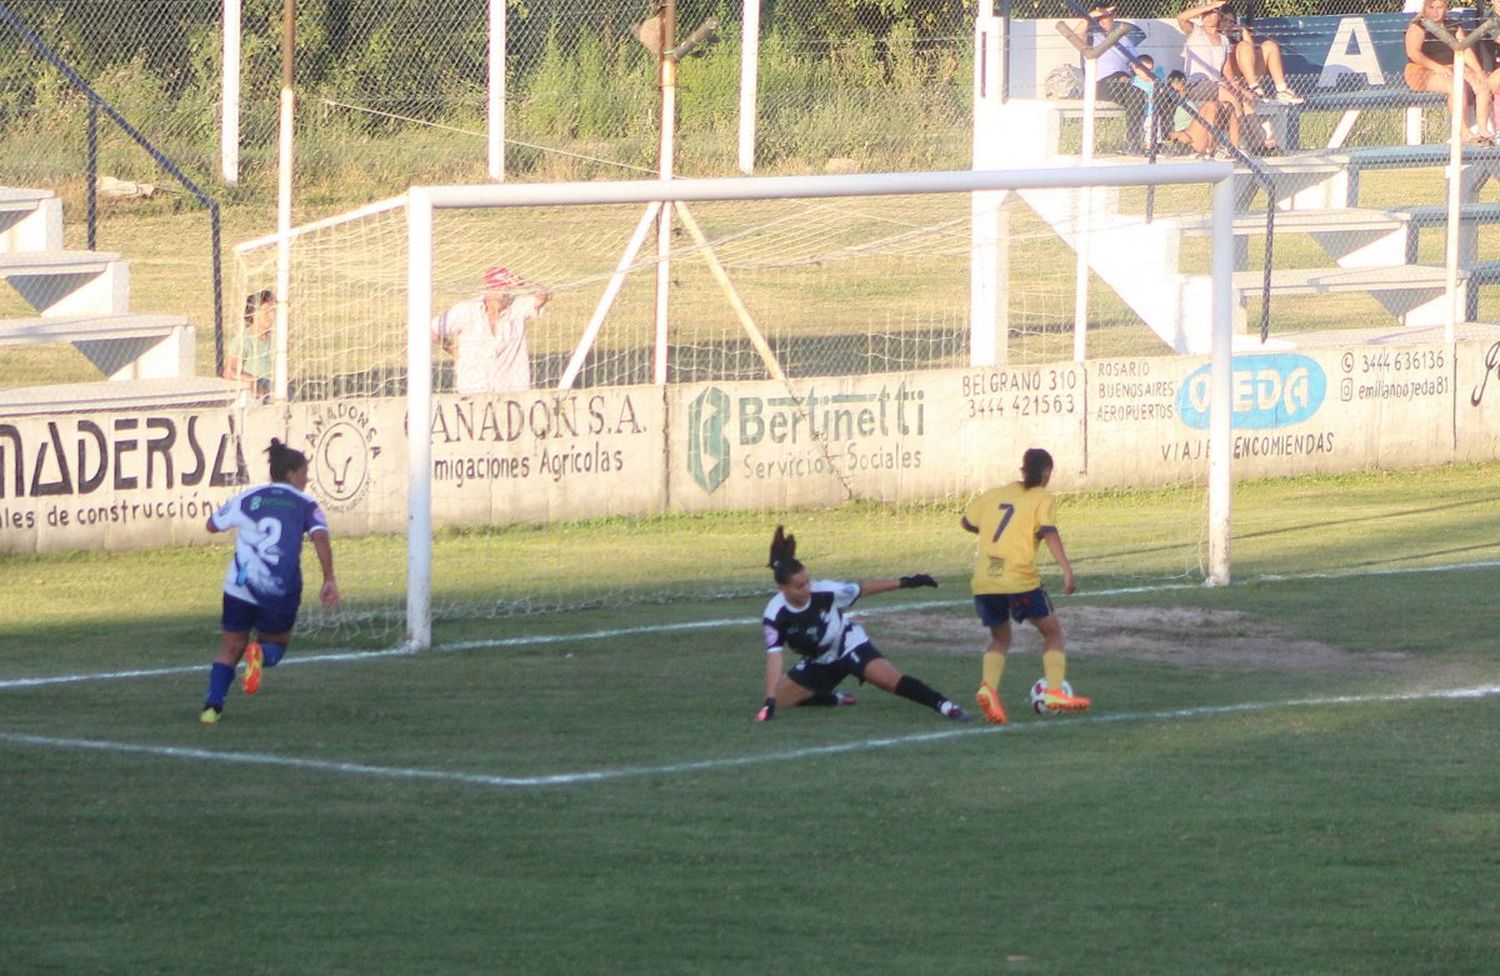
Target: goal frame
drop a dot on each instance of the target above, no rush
(423, 201)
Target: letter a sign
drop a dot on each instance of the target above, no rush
(1352, 52)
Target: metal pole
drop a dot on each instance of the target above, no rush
(419, 423)
(284, 200)
(91, 171)
(1081, 223)
(664, 221)
(1004, 51)
(1455, 196)
(496, 105)
(749, 78)
(229, 120)
(1221, 385)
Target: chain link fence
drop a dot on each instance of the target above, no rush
(394, 93)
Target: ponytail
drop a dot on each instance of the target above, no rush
(1035, 464)
(784, 564)
(284, 460)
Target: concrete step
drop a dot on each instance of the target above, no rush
(30, 220)
(1462, 331)
(1329, 178)
(17, 332)
(89, 397)
(1436, 215)
(1331, 281)
(1414, 293)
(18, 200)
(1321, 220)
(37, 263)
(123, 347)
(69, 284)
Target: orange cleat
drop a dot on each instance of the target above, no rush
(989, 704)
(254, 657)
(1063, 700)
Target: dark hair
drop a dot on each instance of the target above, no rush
(784, 564)
(1175, 75)
(284, 460)
(1035, 464)
(255, 300)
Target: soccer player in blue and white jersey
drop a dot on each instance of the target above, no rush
(263, 585)
(807, 618)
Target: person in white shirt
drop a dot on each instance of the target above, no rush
(486, 335)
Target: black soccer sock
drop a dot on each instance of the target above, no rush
(823, 698)
(914, 690)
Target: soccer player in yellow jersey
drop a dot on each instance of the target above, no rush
(1011, 523)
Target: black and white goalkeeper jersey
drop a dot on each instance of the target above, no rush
(818, 630)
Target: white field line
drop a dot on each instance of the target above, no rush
(534, 640)
(366, 771)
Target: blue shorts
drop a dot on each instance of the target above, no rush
(998, 609)
(823, 678)
(241, 616)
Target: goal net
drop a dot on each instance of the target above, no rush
(855, 358)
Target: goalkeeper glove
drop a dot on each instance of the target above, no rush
(920, 579)
(767, 711)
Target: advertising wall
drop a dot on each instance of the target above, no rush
(504, 458)
(144, 478)
(898, 436)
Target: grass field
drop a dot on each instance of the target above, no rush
(1293, 774)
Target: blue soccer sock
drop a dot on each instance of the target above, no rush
(271, 653)
(220, 677)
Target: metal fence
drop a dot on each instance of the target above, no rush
(393, 93)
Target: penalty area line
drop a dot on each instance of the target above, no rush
(370, 771)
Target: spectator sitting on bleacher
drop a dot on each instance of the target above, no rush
(1193, 133)
(1205, 59)
(1253, 59)
(1430, 68)
(1151, 130)
(249, 360)
(1118, 69)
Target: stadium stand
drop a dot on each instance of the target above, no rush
(83, 298)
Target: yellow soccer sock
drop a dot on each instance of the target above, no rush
(994, 667)
(1055, 668)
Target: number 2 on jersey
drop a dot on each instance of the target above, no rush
(267, 547)
(1009, 511)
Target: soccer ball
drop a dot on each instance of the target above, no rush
(1037, 699)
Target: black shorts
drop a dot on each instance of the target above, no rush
(998, 609)
(823, 678)
(241, 616)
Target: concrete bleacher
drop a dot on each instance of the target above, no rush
(1346, 64)
(1374, 252)
(82, 298)
(1330, 178)
(1377, 251)
(1351, 104)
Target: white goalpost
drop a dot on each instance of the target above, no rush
(425, 280)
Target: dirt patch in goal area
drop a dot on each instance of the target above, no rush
(1183, 636)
